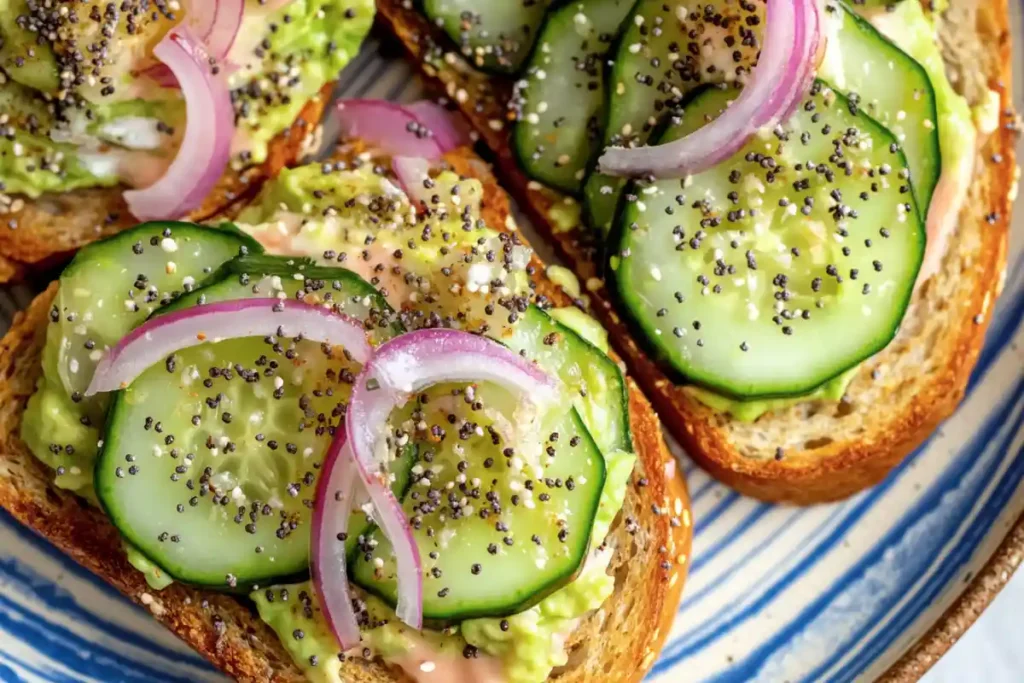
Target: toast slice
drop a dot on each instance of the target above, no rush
(41, 233)
(619, 642)
(815, 451)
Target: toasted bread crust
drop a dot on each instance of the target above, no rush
(829, 471)
(10, 271)
(48, 230)
(652, 564)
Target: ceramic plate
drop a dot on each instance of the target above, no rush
(837, 592)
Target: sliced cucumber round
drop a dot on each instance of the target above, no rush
(665, 51)
(485, 576)
(561, 99)
(594, 380)
(211, 458)
(111, 286)
(890, 86)
(494, 36)
(495, 538)
(781, 267)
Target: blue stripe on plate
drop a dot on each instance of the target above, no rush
(39, 590)
(736, 535)
(64, 645)
(722, 625)
(52, 595)
(952, 478)
(692, 598)
(7, 674)
(1008, 485)
(708, 518)
(707, 487)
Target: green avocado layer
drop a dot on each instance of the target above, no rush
(312, 41)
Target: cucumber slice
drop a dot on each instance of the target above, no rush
(589, 375)
(112, 285)
(211, 459)
(494, 539)
(664, 53)
(782, 267)
(512, 578)
(101, 298)
(301, 277)
(497, 37)
(891, 87)
(562, 99)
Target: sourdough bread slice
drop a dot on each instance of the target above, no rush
(815, 451)
(45, 232)
(651, 536)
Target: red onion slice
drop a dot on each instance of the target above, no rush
(335, 499)
(411, 172)
(390, 517)
(398, 370)
(776, 85)
(809, 41)
(158, 338)
(206, 147)
(216, 24)
(162, 76)
(414, 135)
(448, 128)
(388, 126)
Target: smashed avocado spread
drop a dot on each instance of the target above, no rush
(67, 123)
(39, 155)
(156, 578)
(311, 42)
(55, 430)
(750, 411)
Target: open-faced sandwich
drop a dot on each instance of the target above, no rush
(115, 112)
(357, 434)
(791, 214)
